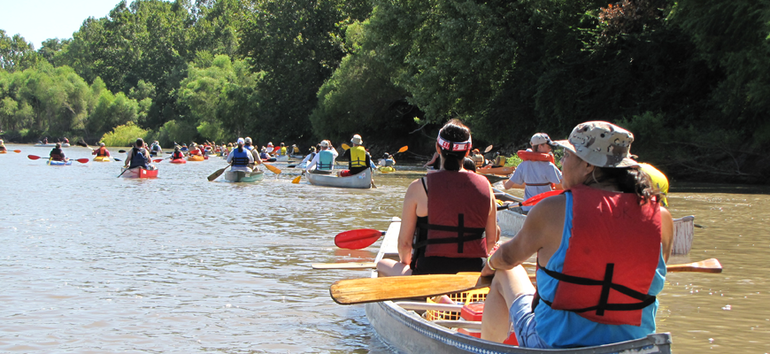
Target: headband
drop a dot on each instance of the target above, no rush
(452, 146)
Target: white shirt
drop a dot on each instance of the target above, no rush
(317, 159)
(535, 172)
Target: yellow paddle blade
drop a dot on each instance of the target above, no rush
(345, 146)
(272, 168)
(296, 179)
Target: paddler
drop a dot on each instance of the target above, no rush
(2, 146)
(324, 159)
(538, 172)
(138, 156)
(240, 158)
(155, 149)
(101, 151)
(177, 154)
(359, 158)
(57, 154)
(601, 246)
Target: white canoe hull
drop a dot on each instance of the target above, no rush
(243, 176)
(408, 332)
(362, 180)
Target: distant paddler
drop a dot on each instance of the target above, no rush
(2, 146)
(101, 151)
(538, 172)
(323, 160)
(155, 149)
(257, 160)
(57, 154)
(359, 158)
(177, 154)
(240, 158)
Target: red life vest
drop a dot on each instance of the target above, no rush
(458, 209)
(177, 155)
(611, 259)
(102, 151)
(535, 156)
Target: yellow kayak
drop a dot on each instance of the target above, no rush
(194, 158)
(102, 159)
(387, 169)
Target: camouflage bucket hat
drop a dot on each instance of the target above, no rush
(601, 144)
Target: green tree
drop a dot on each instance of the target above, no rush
(16, 53)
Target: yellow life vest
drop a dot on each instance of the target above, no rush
(357, 157)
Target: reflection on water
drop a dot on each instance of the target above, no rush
(95, 263)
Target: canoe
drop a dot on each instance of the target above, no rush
(195, 158)
(243, 176)
(503, 171)
(178, 161)
(139, 172)
(406, 327)
(282, 158)
(102, 159)
(361, 180)
(64, 145)
(510, 223)
(3, 151)
(59, 163)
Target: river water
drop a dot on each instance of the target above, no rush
(95, 264)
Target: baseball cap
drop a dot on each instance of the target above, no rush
(540, 138)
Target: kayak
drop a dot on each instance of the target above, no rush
(138, 172)
(281, 158)
(64, 145)
(386, 169)
(195, 158)
(178, 161)
(59, 163)
(430, 327)
(102, 159)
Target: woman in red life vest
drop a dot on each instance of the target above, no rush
(449, 219)
(601, 249)
(101, 151)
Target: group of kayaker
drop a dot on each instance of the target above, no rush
(601, 245)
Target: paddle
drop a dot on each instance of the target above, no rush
(272, 168)
(17, 151)
(537, 198)
(296, 179)
(121, 151)
(488, 149)
(34, 157)
(402, 149)
(217, 173)
(356, 291)
(357, 239)
(345, 146)
(122, 172)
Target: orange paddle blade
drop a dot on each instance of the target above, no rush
(17, 151)
(404, 148)
(535, 199)
(357, 239)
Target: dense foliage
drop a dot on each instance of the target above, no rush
(690, 78)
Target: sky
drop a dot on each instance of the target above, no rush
(38, 20)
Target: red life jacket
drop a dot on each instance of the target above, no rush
(102, 151)
(177, 155)
(611, 259)
(458, 208)
(535, 156)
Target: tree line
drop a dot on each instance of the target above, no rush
(690, 78)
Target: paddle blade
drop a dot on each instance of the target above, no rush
(17, 151)
(710, 265)
(33, 157)
(157, 160)
(488, 149)
(345, 146)
(357, 239)
(272, 169)
(403, 148)
(357, 291)
(535, 199)
(116, 159)
(217, 173)
(83, 160)
(121, 151)
(296, 179)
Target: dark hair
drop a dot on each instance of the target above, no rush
(456, 132)
(630, 180)
(469, 164)
(139, 142)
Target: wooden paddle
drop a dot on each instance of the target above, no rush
(357, 239)
(217, 173)
(357, 291)
(272, 168)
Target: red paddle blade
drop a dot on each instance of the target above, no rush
(535, 199)
(357, 239)
(83, 160)
(157, 160)
(33, 157)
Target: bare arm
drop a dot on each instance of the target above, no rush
(491, 227)
(415, 194)
(508, 185)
